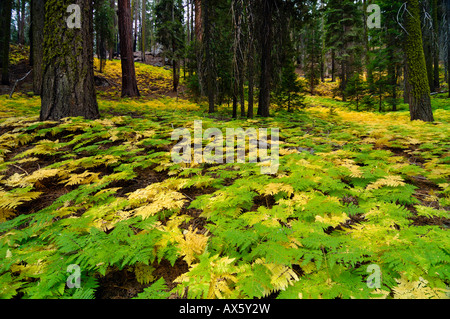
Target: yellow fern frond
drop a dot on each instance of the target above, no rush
(392, 181)
(82, 179)
(331, 220)
(192, 245)
(5, 214)
(162, 201)
(419, 289)
(282, 276)
(10, 201)
(275, 188)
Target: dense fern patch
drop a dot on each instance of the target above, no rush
(352, 190)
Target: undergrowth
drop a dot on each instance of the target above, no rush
(353, 189)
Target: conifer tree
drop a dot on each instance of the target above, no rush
(5, 15)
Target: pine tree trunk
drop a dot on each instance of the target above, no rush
(209, 67)
(144, 8)
(198, 31)
(37, 17)
(250, 82)
(447, 4)
(419, 97)
(5, 24)
(129, 83)
(435, 44)
(68, 72)
(333, 66)
(198, 21)
(266, 52)
(250, 60)
(21, 22)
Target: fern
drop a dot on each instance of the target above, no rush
(158, 290)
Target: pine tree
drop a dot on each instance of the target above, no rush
(104, 27)
(5, 15)
(313, 49)
(170, 33)
(343, 36)
(265, 37)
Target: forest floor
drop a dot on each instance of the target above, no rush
(353, 189)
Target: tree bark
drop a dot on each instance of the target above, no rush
(22, 23)
(5, 24)
(250, 61)
(144, 8)
(447, 4)
(37, 50)
(435, 44)
(266, 53)
(209, 67)
(419, 99)
(198, 21)
(129, 83)
(68, 72)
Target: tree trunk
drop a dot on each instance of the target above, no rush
(135, 10)
(333, 66)
(266, 53)
(112, 46)
(176, 75)
(129, 83)
(22, 23)
(435, 44)
(209, 67)
(5, 24)
(198, 21)
(37, 17)
(144, 5)
(250, 60)
(250, 88)
(198, 30)
(448, 44)
(419, 99)
(68, 72)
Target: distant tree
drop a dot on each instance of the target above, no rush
(447, 5)
(129, 83)
(37, 39)
(5, 23)
(313, 49)
(267, 8)
(289, 92)
(68, 73)
(170, 33)
(344, 30)
(356, 90)
(104, 28)
(434, 10)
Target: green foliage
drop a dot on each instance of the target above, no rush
(289, 92)
(352, 190)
